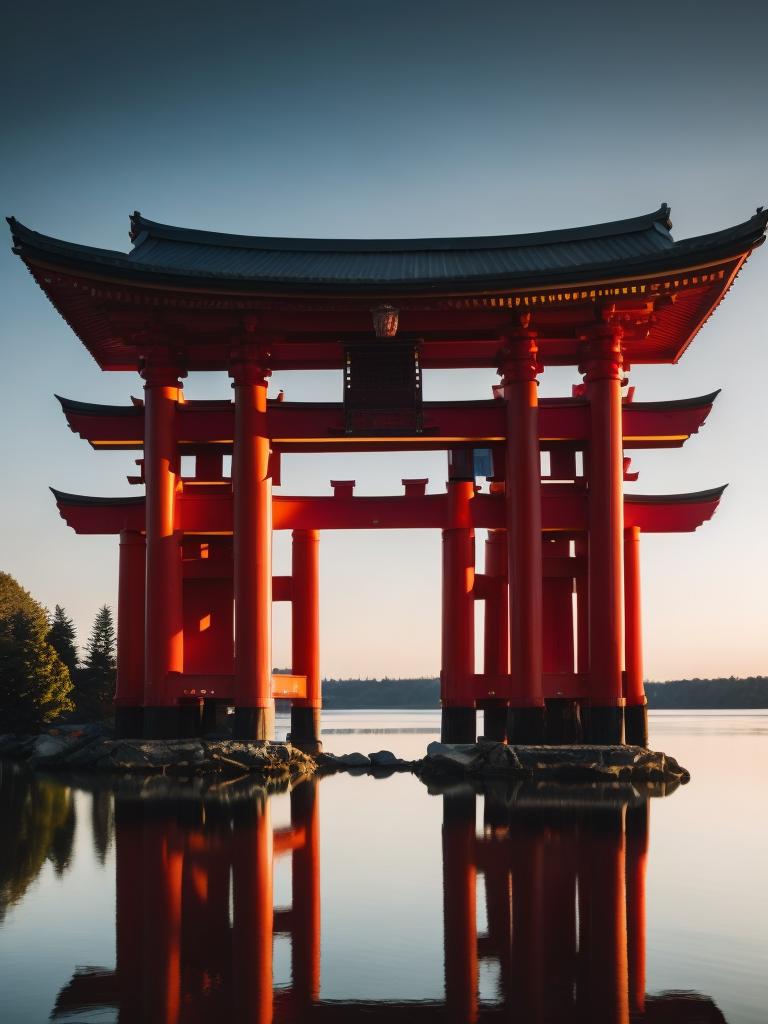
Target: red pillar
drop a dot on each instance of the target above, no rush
(636, 858)
(496, 630)
(458, 633)
(305, 636)
(635, 713)
(129, 700)
(164, 638)
(305, 867)
(602, 369)
(519, 370)
(252, 495)
(460, 905)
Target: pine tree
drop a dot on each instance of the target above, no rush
(101, 648)
(34, 682)
(95, 681)
(62, 636)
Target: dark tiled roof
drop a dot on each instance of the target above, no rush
(693, 498)
(178, 254)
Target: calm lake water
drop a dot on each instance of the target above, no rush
(353, 897)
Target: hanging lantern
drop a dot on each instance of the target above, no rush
(385, 321)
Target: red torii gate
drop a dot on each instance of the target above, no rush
(599, 298)
(204, 516)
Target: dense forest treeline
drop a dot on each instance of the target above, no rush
(714, 694)
(425, 693)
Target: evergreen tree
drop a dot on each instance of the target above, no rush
(62, 636)
(95, 681)
(34, 682)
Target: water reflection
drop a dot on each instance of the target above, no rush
(562, 869)
(38, 825)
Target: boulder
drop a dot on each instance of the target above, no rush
(49, 749)
(384, 757)
(452, 757)
(16, 746)
(354, 760)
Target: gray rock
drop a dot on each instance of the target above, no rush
(453, 757)
(355, 759)
(385, 757)
(48, 749)
(16, 746)
(499, 758)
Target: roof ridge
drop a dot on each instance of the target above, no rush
(143, 229)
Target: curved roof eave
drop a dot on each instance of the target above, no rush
(731, 242)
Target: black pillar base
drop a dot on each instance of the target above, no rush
(129, 723)
(190, 716)
(563, 721)
(495, 724)
(636, 725)
(305, 730)
(554, 724)
(526, 726)
(458, 725)
(253, 725)
(161, 723)
(208, 722)
(606, 725)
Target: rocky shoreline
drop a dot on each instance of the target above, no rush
(93, 748)
(490, 759)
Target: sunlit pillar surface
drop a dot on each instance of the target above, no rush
(496, 629)
(519, 369)
(252, 497)
(305, 635)
(635, 713)
(602, 368)
(458, 627)
(164, 620)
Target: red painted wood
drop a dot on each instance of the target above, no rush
(458, 608)
(523, 519)
(164, 650)
(305, 619)
(252, 522)
(130, 619)
(603, 375)
(213, 514)
(319, 426)
(633, 639)
(496, 625)
(208, 627)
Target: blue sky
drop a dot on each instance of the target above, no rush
(372, 119)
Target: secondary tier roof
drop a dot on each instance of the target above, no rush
(309, 294)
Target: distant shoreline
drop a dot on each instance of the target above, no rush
(746, 694)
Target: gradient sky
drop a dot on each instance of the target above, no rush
(391, 119)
